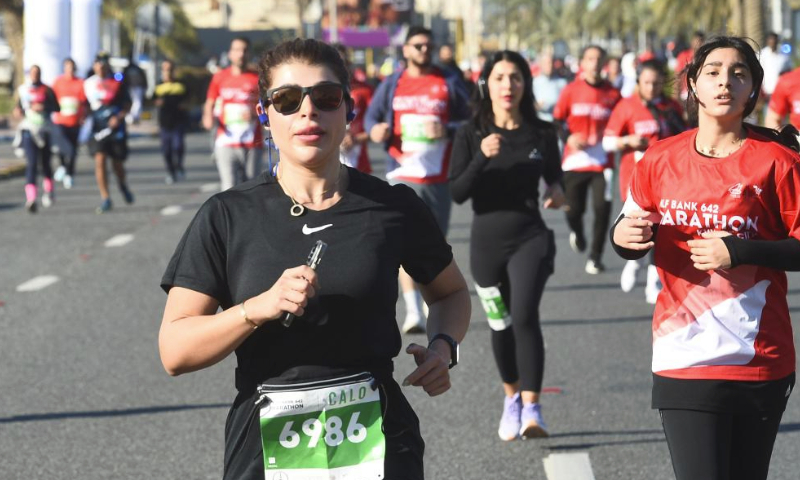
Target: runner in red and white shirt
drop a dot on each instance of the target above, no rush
(720, 205)
(584, 107)
(415, 114)
(353, 151)
(636, 123)
(72, 100)
(239, 146)
(785, 101)
(683, 60)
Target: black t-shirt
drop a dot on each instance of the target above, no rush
(242, 240)
(505, 188)
(171, 113)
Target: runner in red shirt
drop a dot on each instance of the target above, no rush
(720, 206)
(415, 114)
(72, 100)
(636, 123)
(584, 108)
(35, 103)
(239, 146)
(785, 101)
(683, 60)
(353, 151)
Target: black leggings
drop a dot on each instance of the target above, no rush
(520, 277)
(71, 134)
(576, 190)
(720, 446)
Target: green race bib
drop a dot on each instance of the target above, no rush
(332, 432)
(496, 311)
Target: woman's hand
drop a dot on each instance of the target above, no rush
(710, 252)
(553, 197)
(490, 146)
(576, 141)
(432, 373)
(634, 232)
(289, 294)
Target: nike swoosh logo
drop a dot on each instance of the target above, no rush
(308, 230)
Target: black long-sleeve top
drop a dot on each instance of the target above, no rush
(510, 180)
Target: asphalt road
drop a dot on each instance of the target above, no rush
(84, 394)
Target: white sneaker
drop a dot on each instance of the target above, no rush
(578, 244)
(593, 267)
(47, 200)
(68, 181)
(627, 280)
(414, 324)
(59, 174)
(653, 287)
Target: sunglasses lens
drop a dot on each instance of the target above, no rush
(327, 97)
(287, 100)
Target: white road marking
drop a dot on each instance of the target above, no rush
(171, 210)
(210, 187)
(37, 283)
(119, 240)
(568, 466)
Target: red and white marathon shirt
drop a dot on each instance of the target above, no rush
(632, 117)
(785, 99)
(237, 96)
(730, 324)
(586, 109)
(417, 102)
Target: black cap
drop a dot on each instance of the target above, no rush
(102, 57)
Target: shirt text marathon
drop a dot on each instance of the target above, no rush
(706, 217)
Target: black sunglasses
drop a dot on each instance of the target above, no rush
(325, 96)
(420, 46)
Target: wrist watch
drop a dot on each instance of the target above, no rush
(453, 347)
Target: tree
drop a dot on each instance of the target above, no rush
(11, 10)
(181, 41)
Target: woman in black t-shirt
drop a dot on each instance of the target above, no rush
(498, 160)
(243, 254)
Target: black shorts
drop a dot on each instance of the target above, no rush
(116, 149)
(244, 458)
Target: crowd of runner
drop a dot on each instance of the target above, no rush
(719, 228)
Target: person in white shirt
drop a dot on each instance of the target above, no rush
(774, 62)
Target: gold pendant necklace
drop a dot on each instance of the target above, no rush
(712, 151)
(297, 209)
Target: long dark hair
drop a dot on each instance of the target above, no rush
(484, 116)
(751, 59)
(786, 135)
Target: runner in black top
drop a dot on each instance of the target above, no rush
(242, 253)
(498, 160)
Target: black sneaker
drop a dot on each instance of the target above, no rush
(30, 206)
(126, 193)
(104, 207)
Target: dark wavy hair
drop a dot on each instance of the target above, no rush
(786, 135)
(484, 116)
(309, 51)
(751, 59)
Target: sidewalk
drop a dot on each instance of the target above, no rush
(11, 166)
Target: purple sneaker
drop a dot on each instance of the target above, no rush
(509, 422)
(533, 425)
